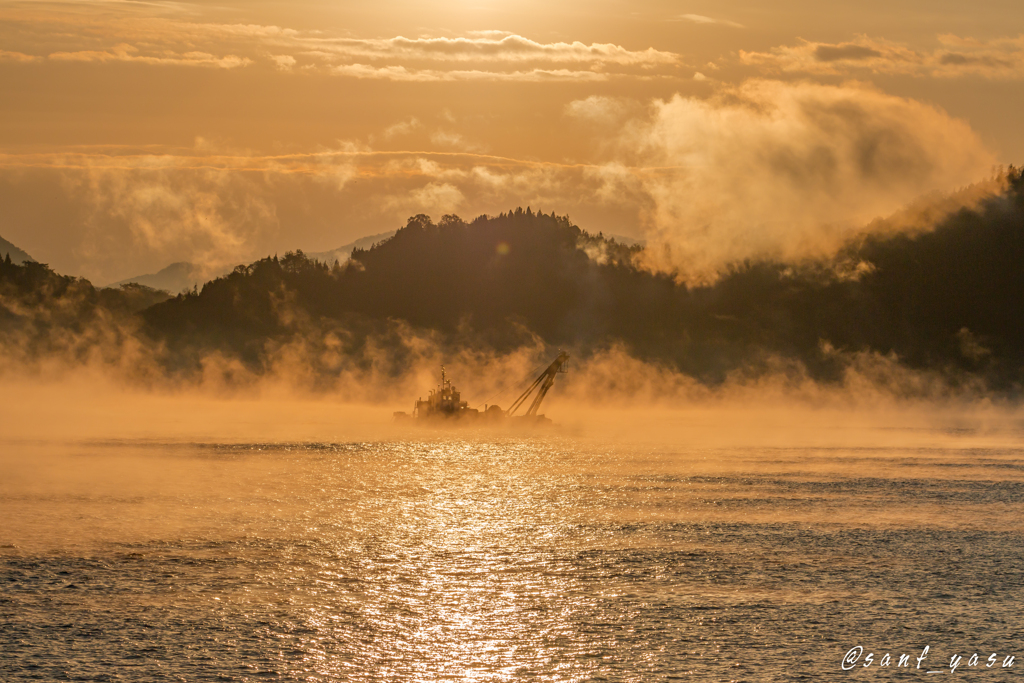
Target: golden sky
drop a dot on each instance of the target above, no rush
(135, 134)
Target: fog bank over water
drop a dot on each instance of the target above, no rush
(75, 448)
(312, 539)
(584, 404)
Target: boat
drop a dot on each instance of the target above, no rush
(445, 402)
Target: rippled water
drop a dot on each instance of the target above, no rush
(502, 557)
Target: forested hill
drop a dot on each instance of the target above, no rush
(43, 313)
(493, 281)
(949, 299)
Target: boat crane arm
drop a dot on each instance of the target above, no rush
(546, 379)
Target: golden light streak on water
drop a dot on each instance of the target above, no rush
(501, 557)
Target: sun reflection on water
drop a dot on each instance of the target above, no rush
(501, 559)
(466, 588)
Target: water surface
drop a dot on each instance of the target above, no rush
(508, 557)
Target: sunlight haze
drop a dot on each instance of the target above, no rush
(136, 135)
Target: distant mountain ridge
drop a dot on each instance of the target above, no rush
(342, 253)
(17, 255)
(184, 275)
(174, 279)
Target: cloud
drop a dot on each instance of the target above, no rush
(617, 183)
(492, 33)
(210, 216)
(773, 170)
(452, 140)
(701, 19)
(433, 198)
(122, 33)
(510, 49)
(328, 164)
(128, 211)
(331, 168)
(284, 62)
(400, 73)
(17, 57)
(835, 53)
(493, 58)
(130, 53)
(1000, 58)
(402, 128)
(137, 212)
(599, 109)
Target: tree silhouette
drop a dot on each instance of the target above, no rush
(947, 299)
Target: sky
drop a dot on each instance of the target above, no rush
(137, 134)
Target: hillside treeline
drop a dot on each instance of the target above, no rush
(946, 299)
(43, 313)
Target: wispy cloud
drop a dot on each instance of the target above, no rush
(16, 57)
(401, 73)
(451, 140)
(130, 53)
(701, 19)
(217, 207)
(284, 62)
(402, 128)
(1000, 58)
(505, 50)
(298, 163)
(119, 35)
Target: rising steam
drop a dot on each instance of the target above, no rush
(783, 171)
